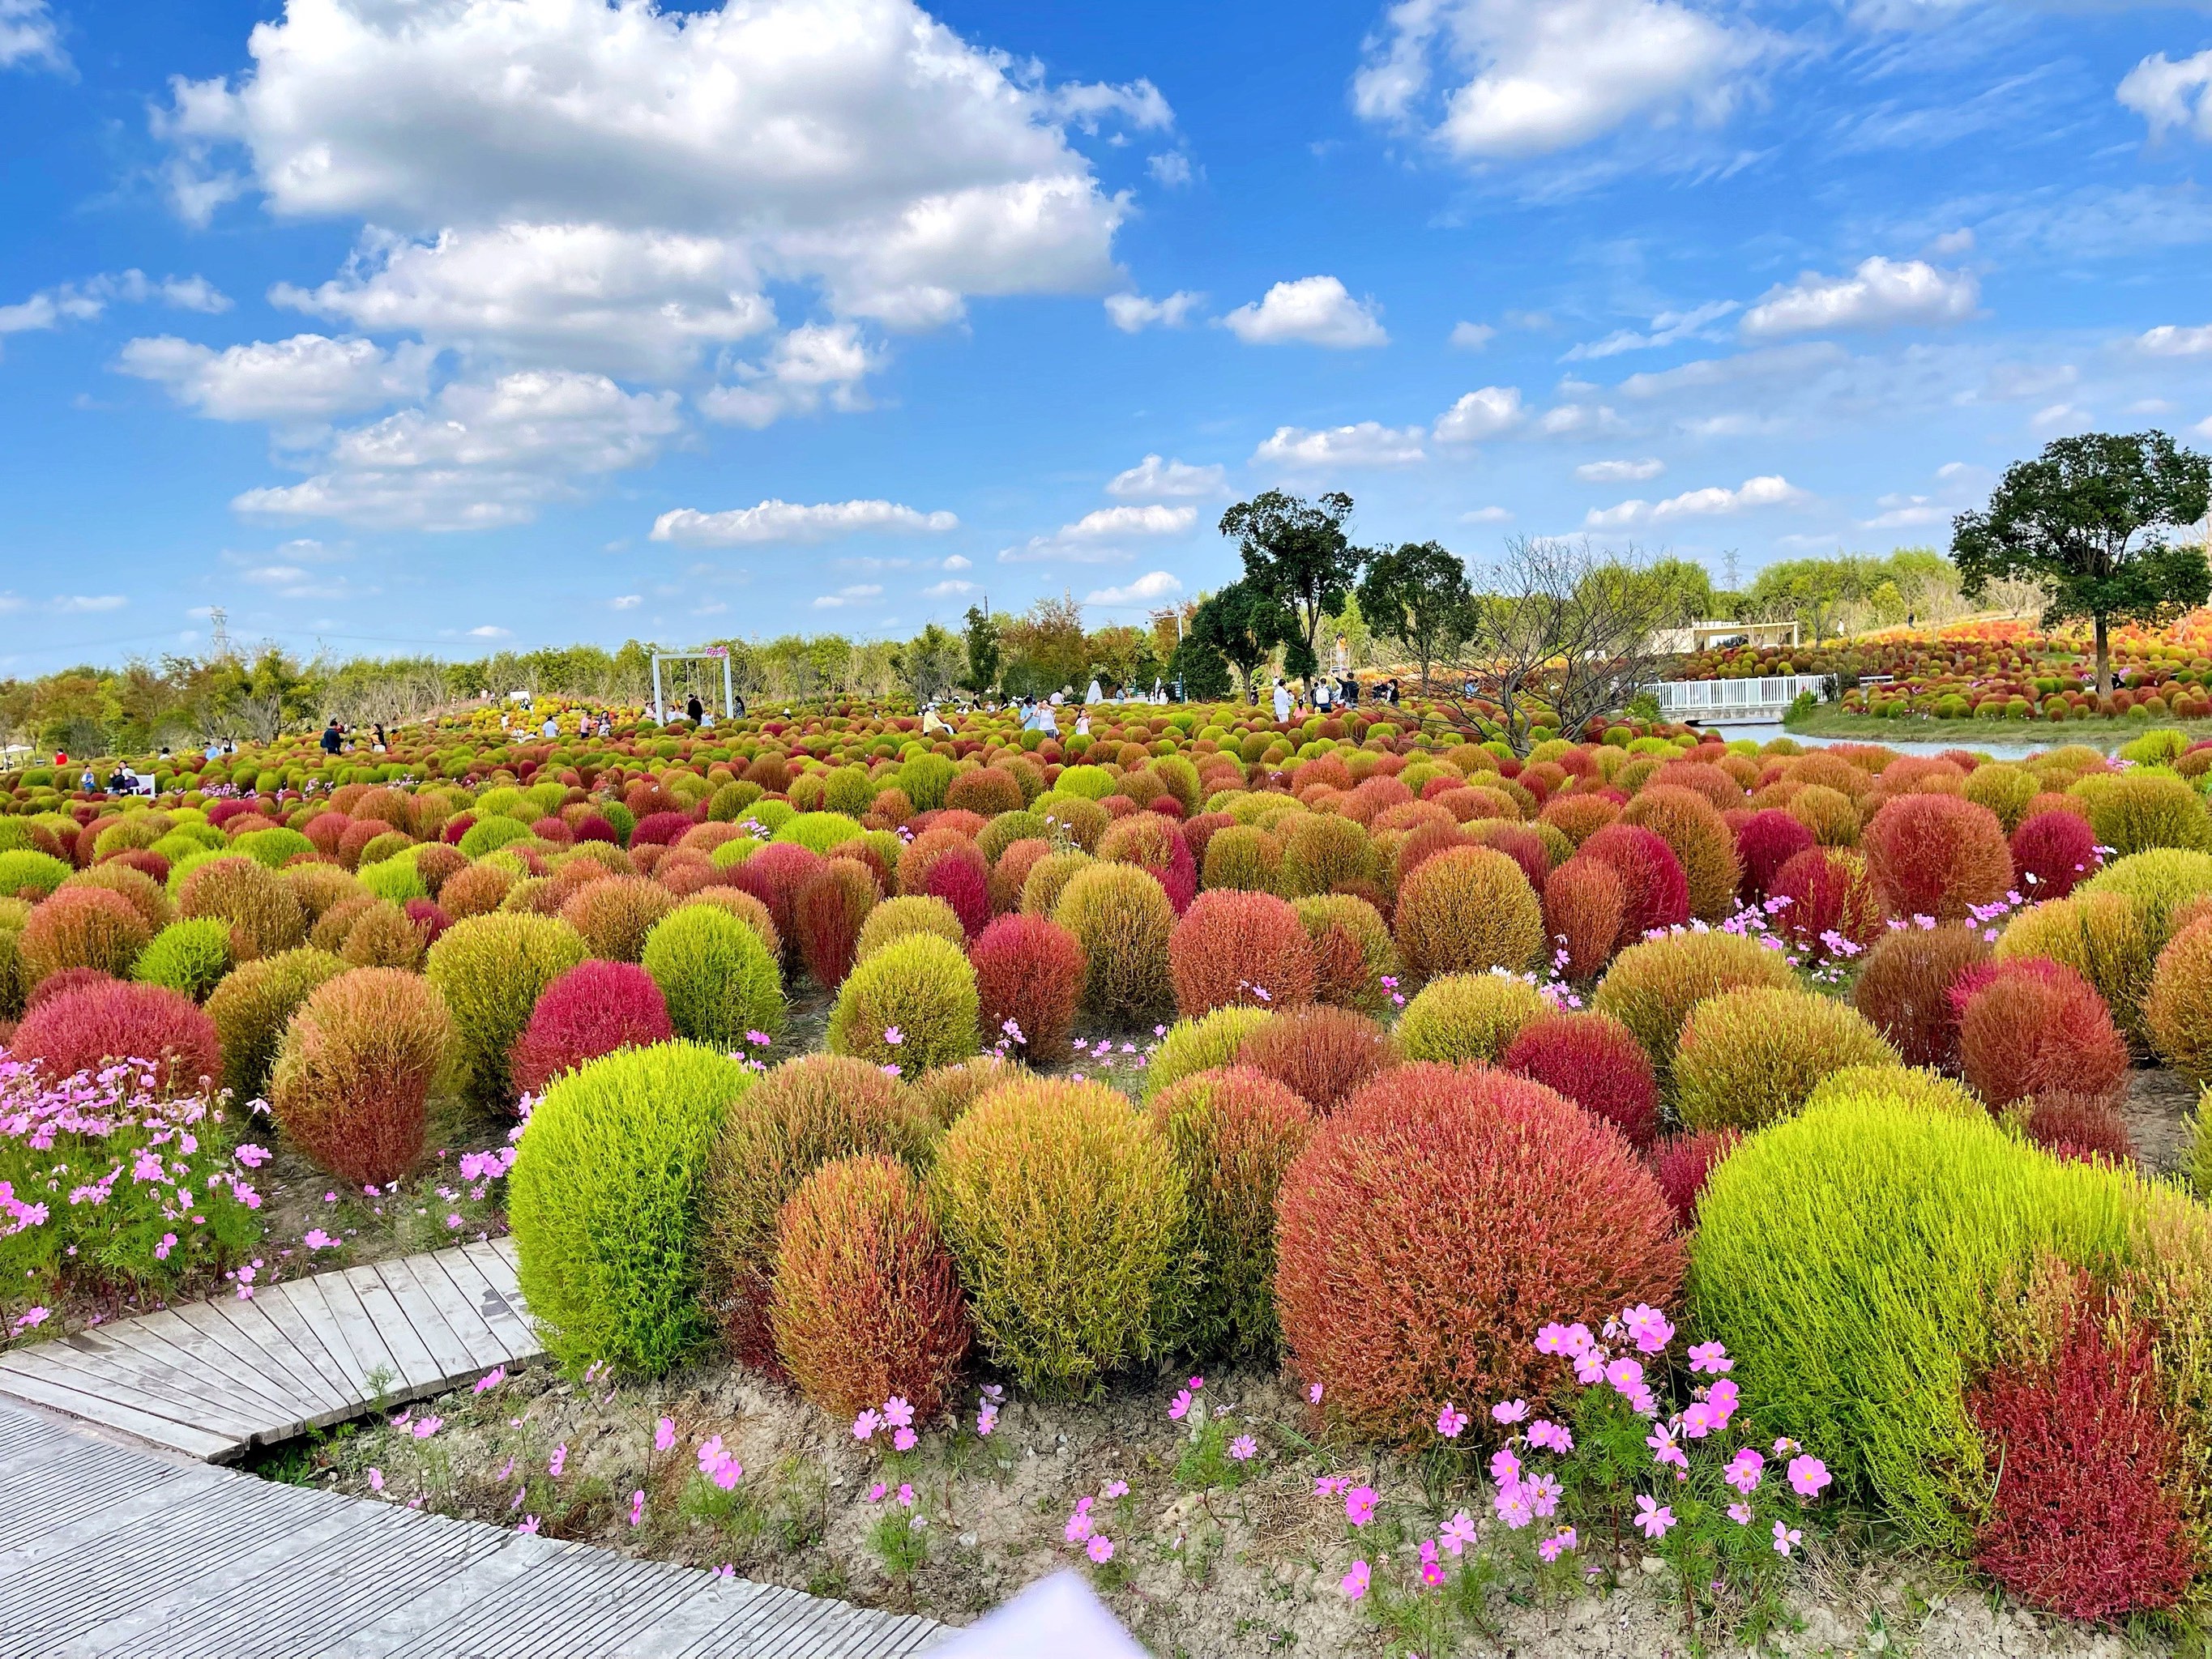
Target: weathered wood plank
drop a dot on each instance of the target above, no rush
(418, 1367)
(248, 1357)
(183, 1437)
(499, 1280)
(312, 1309)
(285, 1306)
(358, 1328)
(454, 1287)
(161, 1333)
(156, 1394)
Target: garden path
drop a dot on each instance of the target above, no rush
(211, 1379)
(121, 1553)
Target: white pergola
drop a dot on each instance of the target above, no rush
(714, 653)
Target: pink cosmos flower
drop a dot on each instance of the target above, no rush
(1739, 1513)
(893, 1036)
(1784, 1537)
(877, 1491)
(490, 1380)
(1243, 1447)
(1557, 1545)
(1664, 1451)
(1589, 1367)
(1196, 1383)
(1626, 1375)
(637, 1507)
(553, 1465)
(897, 1412)
(1711, 1358)
(1724, 1397)
(427, 1426)
(1331, 1485)
(1510, 1411)
(1654, 1518)
(866, 1425)
(1744, 1470)
(1457, 1533)
(1542, 1492)
(1360, 1506)
(1808, 1475)
(1313, 1395)
(1700, 1418)
(1433, 1571)
(663, 1434)
(529, 1524)
(1449, 1423)
(1513, 1507)
(905, 1495)
(1504, 1467)
(1114, 1489)
(1550, 1436)
(903, 1440)
(1100, 1548)
(376, 1480)
(1648, 1328)
(1180, 1407)
(1354, 1583)
(1078, 1526)
(985, 1421)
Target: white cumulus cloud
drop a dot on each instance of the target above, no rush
(789, 521)
(2170, 95)
(28, 36)
(1620, 471)
(858, 594)
(1311, 310)
(2167, 340)
(308, 377)
(1472, 336)
(811, 367)
(1368, 444)
(1132, 313)
(1771, 490)
(1097, 538)
(1154, 478)
(1490, 413)
(1880, 294)
(1148, 589)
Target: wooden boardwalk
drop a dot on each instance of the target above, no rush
(211, 1379)
(109, 1551)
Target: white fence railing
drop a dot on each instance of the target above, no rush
(1719, 701)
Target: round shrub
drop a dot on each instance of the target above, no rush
(1322, 852)
(487, 834)
(925, 852)
(1921, 1090)
(1652, 987)
(2133, 811)
(1830, 814)
(1765, 842)
(27, 873)
(607, 1200)
(1748, 1057)
(802, 1115)
(384, 936)
(1851, 1259)
(1201, 1045)
(1121, 918)
(85, 1028)
(965, 886)
(1683, 1163)
(1028, 974)
(1408, 1274)
(1232, 1133)
(2053, 853)
(1352, 950)
(252, 1005)
(1655, 894)
(1244, 857)
(1700, 838)
(912, 1004)
(135, 887)
(615, 914)
(2158, 883)
(830, 912)
(1937, 856)
(264, 917)
(1153, 844)
(2032, 1028)
(1240, 947)
(1595, 1061)
(352, 1083)
(1467, 910)
(719, 979)
(1905, 989)
(1832, 896)
(477, 890)
(1048, 879)
(943, 1094)
(592, 1009)
(1585, 914)
(2177, 1011)
(1467, 1017)
(82, 927)
(745, 908)
(395, 880)
(903, 918)
(1321, 1054)
(2103, 937)
(492, 971)
(774, 875)
(190, 956)
(866, 1304)
(1064, 1210)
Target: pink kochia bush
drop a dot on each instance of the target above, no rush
(84, 1029)
(2053, 853)
(114, 1178)
(593, 1009)
(1409, 1255)
(1029, 975)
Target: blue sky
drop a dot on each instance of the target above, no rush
(449, 324)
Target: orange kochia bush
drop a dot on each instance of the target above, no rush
(1937, 856)
(1432, 1224)
(1237, 947)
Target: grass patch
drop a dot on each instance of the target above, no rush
(2098, 731)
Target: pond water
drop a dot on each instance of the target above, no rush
(1767, 731)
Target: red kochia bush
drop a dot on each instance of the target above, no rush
(2032, 1028)
(775, 875)
(1029, 970)
(1434, 1222)
(1322, 1053)
(82, 927)
(829, 914)
(2051, 852)
(61, 984)
(1685, 1163)
(923, 854)
(1585, 914)
(1765, 842)
(660, 829)
(1904, 990)
(2087, 1521)
(866, 1302)
(1238, 947)
(593, 1009)
(965, 884)
(1596, 1063)
(1655, 893)
(1829, 892)
(2084, 1128)
(1936, 855)
(82, 1029)
(1152, 843)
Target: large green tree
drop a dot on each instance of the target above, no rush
(983, 652)
(1296, 553)
(1418, 595)
(1242, 625)
(2089, 518)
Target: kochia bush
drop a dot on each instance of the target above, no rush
(2029, 1028)
(593, 1009)
(1653, 985)
(190, 956)
(352, 1083)
(83, 1028)
(1028, 974)
(912, 1004)
(1467, 910)
(492, 971)
(607, 1198)
(1240, 947)
(719, 979)
(1748, 1057)
(1202, 1045)
(82, 927)
(1937, 856)
(1121, 918)
(1595, 1061)
(1905, 989)
(255, 1004)
(1467, 1017)
(1322, 1055)
(1407, 1273)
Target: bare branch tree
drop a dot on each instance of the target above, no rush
(1563, 630)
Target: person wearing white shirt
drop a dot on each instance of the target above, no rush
(1282, 701)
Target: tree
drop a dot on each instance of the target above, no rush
(983, 652)
(1046, 649)
(2071, 518)
(1563, 631)
(1241, 624)
(929, 663)
(1296, 553)
(1418, 595)
(1201, 672)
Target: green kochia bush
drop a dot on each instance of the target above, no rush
(252, 1005)
(492, 971)
(1749, 1056)
(190, 956)
(1852, 1259)
(912, 1004)
(1202, 1045)
(719, 979)
(607, 1202)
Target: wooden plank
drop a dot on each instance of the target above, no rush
(93, 1408)
(358, 1330)
(503, 1319)
(413, 1361)
(282, 1306)
(157, 1396)
(248, 1358)
(453, 1285)
(499, 1281)
(81, 1367)
(301, 1377)
(309, 1306)
(447, 1352)
(162, 1332)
